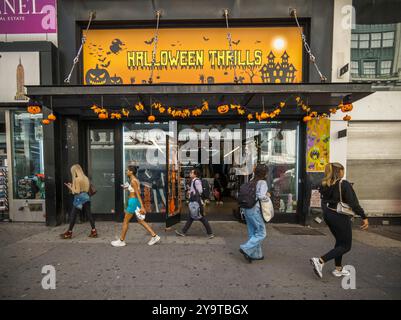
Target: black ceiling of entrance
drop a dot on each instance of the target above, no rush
(78, 99)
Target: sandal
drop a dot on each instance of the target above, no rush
(66, 235)
(93, 234)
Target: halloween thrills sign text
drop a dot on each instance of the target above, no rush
(259, 55)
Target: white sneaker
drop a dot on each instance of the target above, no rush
(317, 266)
(118, 243)
(342, 273)
(154, 240)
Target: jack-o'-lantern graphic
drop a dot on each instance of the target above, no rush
(346, 107)
(223, 109)
(151, 118)
(45, 121)
(116, 80)
(103, 116)
(97, 76)
(34, 109)
(314, 154)
(51, 117)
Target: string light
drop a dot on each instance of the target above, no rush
(230, 45)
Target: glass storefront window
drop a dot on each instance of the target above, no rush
(27, 156)
(139, 144)
(277, 148)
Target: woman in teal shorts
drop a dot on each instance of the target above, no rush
(135, 206)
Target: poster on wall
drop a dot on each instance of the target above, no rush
(27, 17)
(318, 144)
(18, 69)
(193, 55)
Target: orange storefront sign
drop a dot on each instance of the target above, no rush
(193, 55)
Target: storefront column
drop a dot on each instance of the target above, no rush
(52, 162)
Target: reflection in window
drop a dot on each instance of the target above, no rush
(27, 154)
(278, 150)
(145, 147)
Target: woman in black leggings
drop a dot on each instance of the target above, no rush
(79, 188)
(340, 225)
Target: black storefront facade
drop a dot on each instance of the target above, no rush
(105, 147)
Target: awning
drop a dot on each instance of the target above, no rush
(320, 97)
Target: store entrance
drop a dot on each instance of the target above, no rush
(217, 167)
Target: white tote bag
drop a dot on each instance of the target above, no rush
(266, 207)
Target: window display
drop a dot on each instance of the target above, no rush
(276, 144)
(27, 154)
(140, 143)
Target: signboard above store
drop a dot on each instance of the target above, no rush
(28, 16)
(193, 55)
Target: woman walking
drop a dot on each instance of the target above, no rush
(79, 188)
(135, 206)
(252, 249)
(339, 224)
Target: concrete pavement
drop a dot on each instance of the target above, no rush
(193, 267)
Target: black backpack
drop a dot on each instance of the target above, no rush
(206, 189)
(247, 195)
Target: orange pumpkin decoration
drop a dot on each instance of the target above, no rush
(307, 118)
(347, 118)
(151, 118)
(103, 116)
(346, 107)
(250, 116)
(282, 104)
(34, 109)
(51, 117)
(223, 109)
(45, 121)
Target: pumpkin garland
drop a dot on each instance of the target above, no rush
(184, 113)
(34, 109)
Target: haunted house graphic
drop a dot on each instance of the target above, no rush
(273, 72)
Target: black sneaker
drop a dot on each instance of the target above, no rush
(248, 258)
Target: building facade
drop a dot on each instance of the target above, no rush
(204, 77)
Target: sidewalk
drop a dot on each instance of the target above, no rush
(193, 267)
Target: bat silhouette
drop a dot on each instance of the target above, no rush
(106, 65)
(102, 60)
(257, 41)
(206, 39)
(150, 41)
(173, 45)
(236, 42)
(108, 52)
(100, 55)
(91, 54)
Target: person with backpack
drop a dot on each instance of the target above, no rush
(337, 193)
(80, 188)
(196, 191)
(249, 198)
